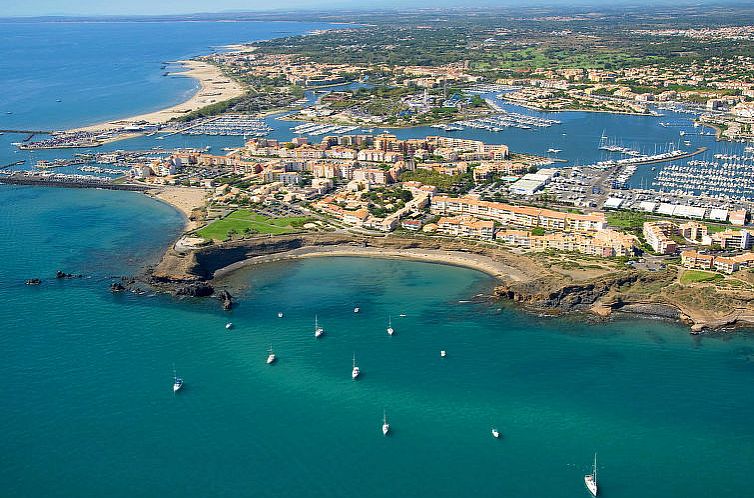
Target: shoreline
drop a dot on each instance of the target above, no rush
(476, 262)
(527, 282)
(185, 200)
(214, 87)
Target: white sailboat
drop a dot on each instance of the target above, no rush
(271, 357)
(318, 331)
(385, 425)
(390, 330)
(177, 381)
(355, 372)
(591, 479)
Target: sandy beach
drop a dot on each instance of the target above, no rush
(184, 199)
(485, 264)
(214, 87)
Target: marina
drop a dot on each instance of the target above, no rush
(314, 129)
(227, 125)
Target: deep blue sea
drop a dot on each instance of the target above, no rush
(103, 70)
(88, 409)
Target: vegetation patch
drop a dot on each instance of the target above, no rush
(696, 276)
(242, 223)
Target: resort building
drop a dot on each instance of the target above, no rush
(723, 264)
(518, 216)
(730, 239)
(658, 235)
(466, 226)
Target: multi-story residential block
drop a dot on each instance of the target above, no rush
(466, 226)
(658, 235)
(519, 216)
(693, 230)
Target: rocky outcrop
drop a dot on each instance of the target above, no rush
(548, 294)
(196, 289)
(61, 275)
(225, 297)
(117, 287)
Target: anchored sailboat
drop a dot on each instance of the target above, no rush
(591, 479)
(177, 381)
(385, 425)
(355, 372)
(318, 331)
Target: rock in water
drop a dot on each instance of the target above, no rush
(61, 274)
(226, 298)
(117, 287)
(33, 281)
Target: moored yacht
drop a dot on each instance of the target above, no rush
(355, 372)
(443, 354)
(229, 325)
(280, 314)
(591, 479)
(271, 357)
(385, 425)
(356, 309)
(390, 330)
(495, 433)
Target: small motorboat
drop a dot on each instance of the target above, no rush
(229, 325)
(280, 314)
(495, 433)
(390, 329)
(443, 354)
(356, 309)
(271, 357)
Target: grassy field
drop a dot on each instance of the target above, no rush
(694, 276)
(243, 222)
(622, 219)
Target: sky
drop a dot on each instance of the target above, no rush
(12, 8)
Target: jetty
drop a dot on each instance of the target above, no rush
(62, 180)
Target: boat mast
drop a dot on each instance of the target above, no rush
(594, 469)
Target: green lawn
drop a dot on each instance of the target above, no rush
(694, 276)
(623, 219)
(243, 222)
(718, 228)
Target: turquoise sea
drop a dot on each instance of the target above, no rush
(88, 409)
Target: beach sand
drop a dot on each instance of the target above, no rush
(214, 87)
(184, 199)
(484, 264)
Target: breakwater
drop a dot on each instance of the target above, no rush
(69, 181)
